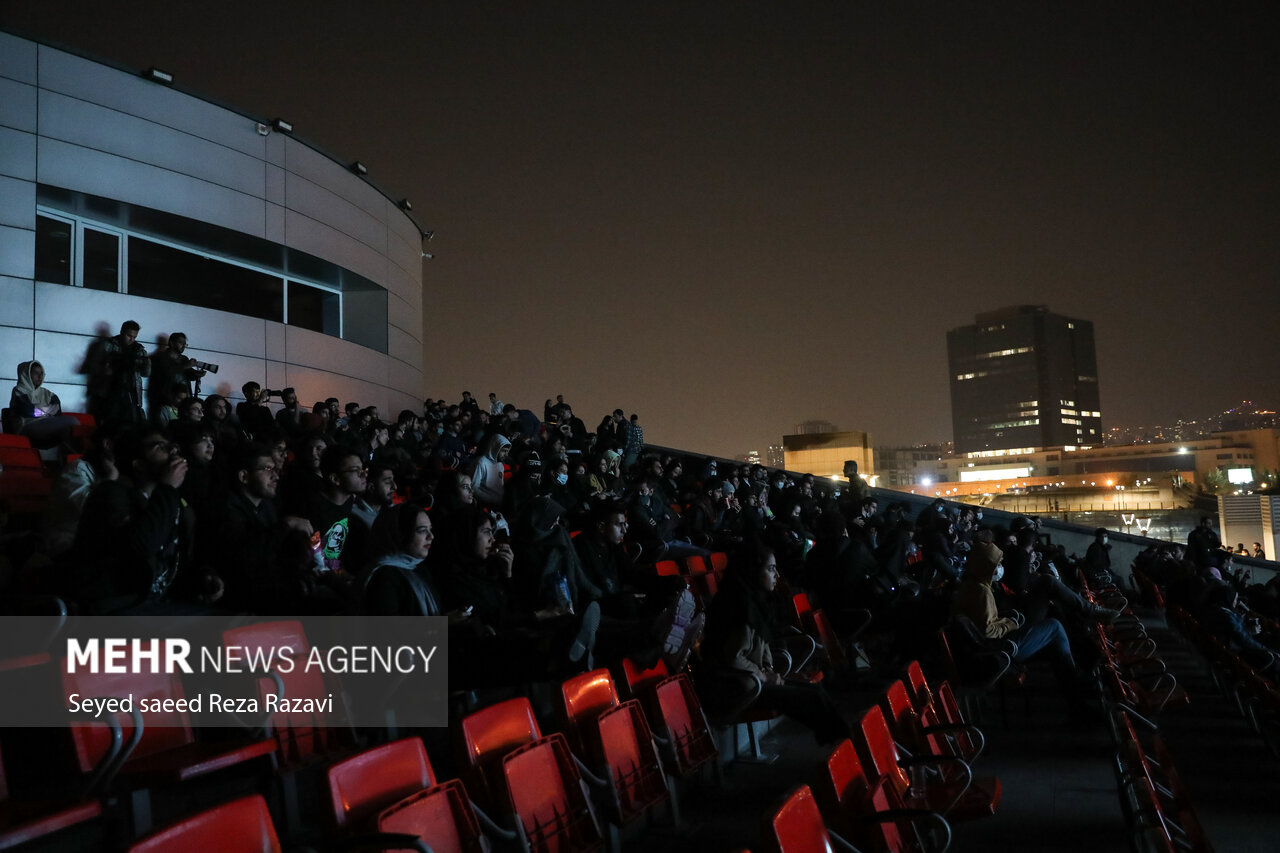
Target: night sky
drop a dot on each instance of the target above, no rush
(733, 217)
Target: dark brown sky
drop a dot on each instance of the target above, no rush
(737, 216)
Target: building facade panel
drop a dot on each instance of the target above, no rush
(91, 126)
(403, 346)
(316, 202)
(17, 252)
(17, 105)
(16, 346)
(17, 154)
(17, 302)
(311, 165)
(401, 284)
(130, 93)
(193, 196)
(17, 201)
(317, 238)
(99, 173)
(17, 59)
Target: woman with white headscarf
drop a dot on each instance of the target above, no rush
(36, 411)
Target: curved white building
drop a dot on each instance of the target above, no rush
(123, 198)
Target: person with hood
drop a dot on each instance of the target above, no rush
(975, 600)
(37, 411)
(487, 479)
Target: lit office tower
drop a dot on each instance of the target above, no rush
(1022, 378)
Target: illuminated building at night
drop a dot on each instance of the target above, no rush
(125, 198)
(1022, 379)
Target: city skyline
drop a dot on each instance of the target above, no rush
(735, 217)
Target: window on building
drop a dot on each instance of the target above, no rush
(163, 272)
(315, 309)
(86, 241)
(54, 249)
(101, 260)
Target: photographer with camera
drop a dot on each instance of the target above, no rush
(170, 366)
(254, 416)
(116, 366)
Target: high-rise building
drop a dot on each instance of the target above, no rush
(1023, 378)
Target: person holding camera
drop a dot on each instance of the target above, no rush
(170, 366)
(116, 366)
(253, 414)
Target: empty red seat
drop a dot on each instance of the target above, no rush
(719, 561)
(441, 816)
(300, 735)
(166, 748)
(364, 784)
(952, 791)
(583, 699)
(630, 760)
(240, 826)
(797, 826)
(868, 811)
(924, 733)
(548, 798)
(487, 736)
(683, 724)
(695, 565)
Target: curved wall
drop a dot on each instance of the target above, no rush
(86, 129)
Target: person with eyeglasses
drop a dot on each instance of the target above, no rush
(247, 540)
(338, 534)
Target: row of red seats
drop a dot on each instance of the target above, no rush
(1254, 695)
(897, 785)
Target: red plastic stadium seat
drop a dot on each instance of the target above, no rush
(667, 568)
(584, 698)
(167, 749)
(441, 816)
(926, 734)
(364, 784)
(23, 820)
(487, 736)
(797, 827)
(548, 799)
(695, 565)
(719, 562)
(684, 725)
(627, 752)
(300, 735)
(240, 826)
(955, 794)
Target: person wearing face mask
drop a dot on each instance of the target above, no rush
(1034, 589)
(1097, 560)
(1046, 639)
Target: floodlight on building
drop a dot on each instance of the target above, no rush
(359, 168)
(405, 204)
(282, 125)
(428, 234)
(1183, 450)
(263, 129)
(926, 481)
(156, 75)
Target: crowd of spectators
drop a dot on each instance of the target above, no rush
(535, 536)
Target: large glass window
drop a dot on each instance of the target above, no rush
(101, 244)
(54, 249)
(101, 260)
(315, 309)
(163, 272)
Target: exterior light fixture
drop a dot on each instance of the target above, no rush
(405, 204)
(263, 129)
(282, 125)
(359, 168)
(158, 76)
